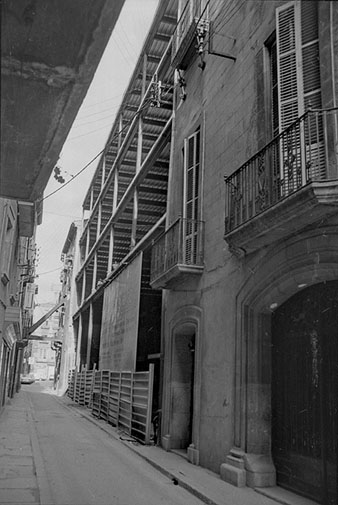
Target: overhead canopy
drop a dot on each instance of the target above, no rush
(49, 54)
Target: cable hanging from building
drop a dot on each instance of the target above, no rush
(95, 157)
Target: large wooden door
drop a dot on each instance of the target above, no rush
(304, 392)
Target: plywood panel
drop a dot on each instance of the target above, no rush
(120, 318)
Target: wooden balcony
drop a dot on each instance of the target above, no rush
(177, 254)
(290, 184)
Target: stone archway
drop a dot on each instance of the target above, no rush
(302, 261)
(182, 383)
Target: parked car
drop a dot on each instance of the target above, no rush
(27, 378)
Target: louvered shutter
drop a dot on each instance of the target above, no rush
(310, 55)
(29, 296)
(289, 83)
(298, 88)
(191, 197)
(314, 143)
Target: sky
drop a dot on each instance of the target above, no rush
(86, 139)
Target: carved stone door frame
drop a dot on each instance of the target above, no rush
(188, 318)
(302, 261)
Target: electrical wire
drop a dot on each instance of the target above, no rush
(98, 154)
(126, 36)
(224, 14)
(129, 55)
(109, 142)
(76, 175)
(61, 215)
(50, 271)
(95, 120)
(102, 101)
(121, 52)
(89, 133)
(227, 15)
(96, 113)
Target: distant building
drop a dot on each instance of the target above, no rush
(17, 290)
(67, 336)
(242, 319)
(42, 360)
(42, 353)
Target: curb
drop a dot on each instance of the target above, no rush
(41, 476)
(110, 430)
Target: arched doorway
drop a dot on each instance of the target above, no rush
(304, 403)
(181, 405)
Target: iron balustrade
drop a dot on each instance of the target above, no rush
(181, 244)
(304, 152)
(27, 318)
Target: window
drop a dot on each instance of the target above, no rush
(273, 85)
(297, 60)
(191, 205)
(298, 82)
(7, 245)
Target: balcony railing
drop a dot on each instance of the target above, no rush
(305, 152)
(27, 318)
(193, 15)
(178, 251)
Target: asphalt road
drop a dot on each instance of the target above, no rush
(82, 465)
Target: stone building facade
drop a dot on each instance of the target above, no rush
(17, 290)
(246, 328)
(249, 356)
(66, 334)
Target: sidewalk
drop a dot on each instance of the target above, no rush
(22, 477)
(23, 480)
(202, 483)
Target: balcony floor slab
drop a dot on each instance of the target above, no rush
(169, 278)
(307, 206)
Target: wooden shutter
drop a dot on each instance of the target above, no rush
(298, 75)
(290, 85)
(191, 208)
(297, 60)
(29, 296)
(310, 55)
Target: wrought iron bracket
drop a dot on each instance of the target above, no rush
(201, 32)
(156, 92)
(182, 85)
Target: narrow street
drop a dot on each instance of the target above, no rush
(80, 464)
(53, 452)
